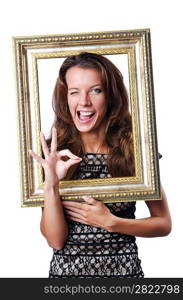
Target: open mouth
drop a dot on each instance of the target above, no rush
(85, 116)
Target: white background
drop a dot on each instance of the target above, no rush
(23, 251)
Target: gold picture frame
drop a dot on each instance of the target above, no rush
(37, 62)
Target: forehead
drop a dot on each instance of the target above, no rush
(82, 76)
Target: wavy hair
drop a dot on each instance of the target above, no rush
(118, 130)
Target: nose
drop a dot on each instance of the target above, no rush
(84, 99)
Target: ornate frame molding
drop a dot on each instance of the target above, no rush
(136, 45)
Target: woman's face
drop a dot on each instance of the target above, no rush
(86, 99)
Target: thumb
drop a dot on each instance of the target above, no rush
(90, 200)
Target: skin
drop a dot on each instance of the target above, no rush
(86, 95)
(55, 170)
(96, 213)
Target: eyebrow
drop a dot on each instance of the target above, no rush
(72, 88)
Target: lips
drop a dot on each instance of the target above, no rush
(85, 116)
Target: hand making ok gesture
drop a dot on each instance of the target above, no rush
(54, 167)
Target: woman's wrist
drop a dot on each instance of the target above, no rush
(50, 187)
(51, 194)
(111, 223)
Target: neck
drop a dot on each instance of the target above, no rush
(94, 142)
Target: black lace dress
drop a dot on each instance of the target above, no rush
(94, 252)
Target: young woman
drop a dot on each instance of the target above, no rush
(93, 130)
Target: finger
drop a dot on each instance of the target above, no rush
(90, 200)
(75, 214)
(71, 162)
(54, 140)
(75, 211)
(71, 204)
(68, 153)
(44, 145)
(36, 157)
(77, 220)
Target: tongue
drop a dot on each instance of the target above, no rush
(85, 117)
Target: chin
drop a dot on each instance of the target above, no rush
(85, 128)
(82, 129)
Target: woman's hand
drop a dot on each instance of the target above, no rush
(92, 212)
(54, 167)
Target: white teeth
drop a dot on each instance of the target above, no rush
(85, 113)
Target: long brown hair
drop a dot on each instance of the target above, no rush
(118, 132)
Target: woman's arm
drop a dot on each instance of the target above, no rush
(96, 213)
(53, 224)
(158, 224)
